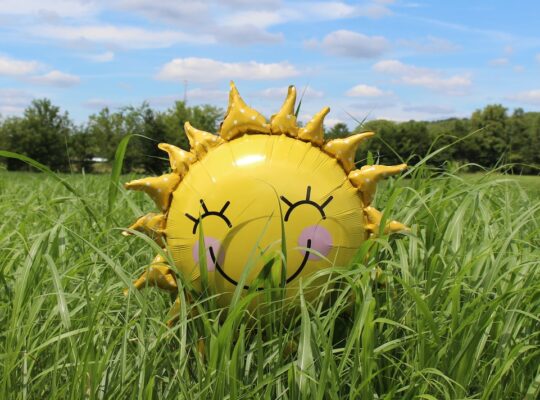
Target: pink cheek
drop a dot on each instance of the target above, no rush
(211, 255)
(321, 241)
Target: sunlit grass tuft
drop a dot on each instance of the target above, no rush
(454, 315)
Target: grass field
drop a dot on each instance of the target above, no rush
(455, 315)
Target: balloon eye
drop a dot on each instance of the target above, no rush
(307, 200)
(207, 213)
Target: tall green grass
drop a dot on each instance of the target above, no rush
(455, 314)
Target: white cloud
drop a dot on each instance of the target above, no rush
(394, 67)
(497, 62)
(431, 44)
(538, 58)
(374, 10)
(195, 95)
(250, 3)
(351, 44)
(170, 11)
(236, 24)
(248, 26)
(49, 8)
(12, 67)
(530, 97)
(430, 109)
(453, 84)
(120, 36)
(261, 13)
(100, 57)
(190, 21)
(339, 10)
(331, 122)
(14, 101)
(332, 10)
(281, 92)
(206, 69)
(8, 110)
(365, 91)
(276, 12)
(260, 18)
(55, 78)
(25, 70)
(424, 77)
(246, 34)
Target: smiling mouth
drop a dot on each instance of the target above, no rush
(231, 280)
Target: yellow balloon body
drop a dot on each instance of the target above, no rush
(243, 192)
(261, 191)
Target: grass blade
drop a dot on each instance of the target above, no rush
(50, 173)
(116, 170)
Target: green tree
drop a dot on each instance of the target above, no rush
(3, 137)
(412, 139)
(519, 139)
(83, 148)
(155, 129)
(491, 145)
(43, 133)
(14, 137)
(460, 129)
(151, 127)
(205, 118)
(106, 129)
(339, 130)
(385, 146)
(532, 150)
(443, 135)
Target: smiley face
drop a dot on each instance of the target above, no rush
(315, 239)
(248, 196)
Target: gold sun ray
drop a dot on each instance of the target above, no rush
(157, 274)
(366, 178)
(200, 141)
(179, 159)
(152, 225)
(284, 122)
(159, 188)
(344, 150)
(313, 131)
(374, 218)
(240, 118)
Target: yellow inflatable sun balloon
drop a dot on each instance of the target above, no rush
(253, 186)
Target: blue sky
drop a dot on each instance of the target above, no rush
(397, 59)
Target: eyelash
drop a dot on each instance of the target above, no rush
(206, 213)
(307, 200)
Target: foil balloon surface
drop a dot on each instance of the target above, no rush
(257, 192)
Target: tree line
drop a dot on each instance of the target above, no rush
(490, 137)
